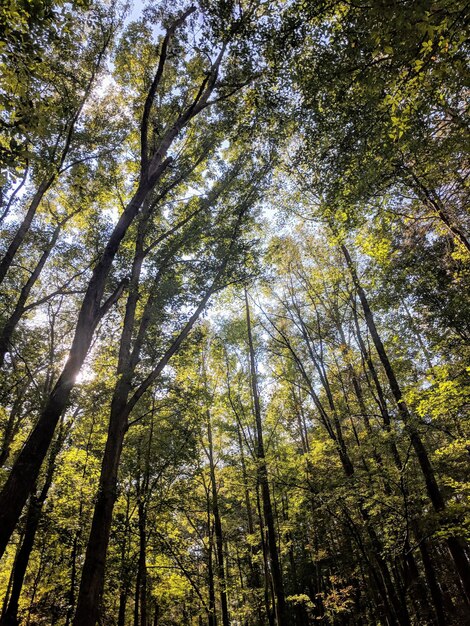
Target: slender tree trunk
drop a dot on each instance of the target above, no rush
(7, 331)
(35, 585)
(218, 529)
(254, 581)
(143, 581)
(78, 532)
(73, 575)
(280, 606)
(454, 544)
(268, 587)
(23, 228)
(140, 616)
(212, 616)
(124, 582)
(8, 589)
(13, 195)
(13, 424)
(10, 618)
(435, 590)
(122, 607)
(394, 611)
(46, 183)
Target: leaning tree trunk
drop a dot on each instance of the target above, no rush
(48, 181)
(23, 229)
(9, 327)
(91, 587)
(10, 617)
(454, 543)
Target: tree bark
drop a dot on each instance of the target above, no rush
(140, 616)
(23, 229)
(10, 617)
(92, 580)
(454, 544)
(218, 529)
(11, 323)
(211, 614)
(280, 605)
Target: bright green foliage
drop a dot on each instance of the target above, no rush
(326, 177)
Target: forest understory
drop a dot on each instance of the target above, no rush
(234, 313)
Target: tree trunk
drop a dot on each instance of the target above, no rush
(32, 521)
(10, 618)
(454, 544)
(436, 594)
(280, 606)
(23, 228)
(11, 323)
(122, 607)
(92, 581)
(140, 605)
(12, 425)
(217, 529)
(268, 587)
(211, 617)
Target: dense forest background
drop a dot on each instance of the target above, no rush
(234, 313)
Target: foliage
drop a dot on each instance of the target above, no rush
(243, 227)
